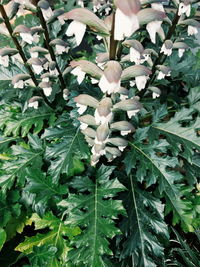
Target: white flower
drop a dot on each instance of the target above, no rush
(60, 49)
(34, 54)
(4, 60)
(166, 51)
(134, 56)
(34, 105)
(141, 82)
(45, 79)
(121, 148)
(47, 91)
(161, 75)
(19, 84)
(125, 25)
(125, 132)
(78, 29)
(123, 97)
(38, 69)
(181, 52)
(80, 3)
(94, 81)
(83, 126)
(47, 13)
(132, 113)
(27, 37)
(102, 119)
(36, 37)
(158, 6)
(153, 27)
(184, 9)
(132, 83)
(109, 87)
(17, 57)
(81, 108)
(192, 30)
(155, 95)
(61, 20)
(54, 72)
(79, 73)
(99, 37)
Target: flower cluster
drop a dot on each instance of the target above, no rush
(101, 129)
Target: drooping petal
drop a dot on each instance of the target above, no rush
(192, 30)
(78, 29)
(141, 82)
(125, 25)
(152, 28)
(79, 73)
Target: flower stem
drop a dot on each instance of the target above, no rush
(49, 47)
(113, 42)
(21, 52)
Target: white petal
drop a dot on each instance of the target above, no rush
(141, 82)
(46, 79)
(47, 91)
(99, 37)
(132, 113)
(161, 75)
(125, 25)
(181, 52)
(192, 30)
(54, 72)
(36, 38)
(108, 87)
(123, 97)
(184, 9)
(83, 126)
(152, 28)
(60, 49)
(94, 81)
(134, 56)
(79, 73)
(155, 95)
(34, 54)
(81, 108)
(27, 37)
(4, 60)
(121, 148)
(19, 84)
(157, 6)
(78, 29)
(34, 105)
(125, 132)
(47, 13)
(165, 51)
(132, 83)
(102, 119)
(38, 69)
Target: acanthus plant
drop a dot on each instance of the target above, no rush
(99, 125)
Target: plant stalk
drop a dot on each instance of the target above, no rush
(21, 52)
(113, 42)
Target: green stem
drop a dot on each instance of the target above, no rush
(21, 52)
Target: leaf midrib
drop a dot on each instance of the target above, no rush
(180, 136)
(155, 166)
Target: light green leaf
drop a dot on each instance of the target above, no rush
(56, 236)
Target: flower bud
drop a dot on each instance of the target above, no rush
(89, 132)
(129, 104)
(102, 134)
(86, 100)
(103, 113)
